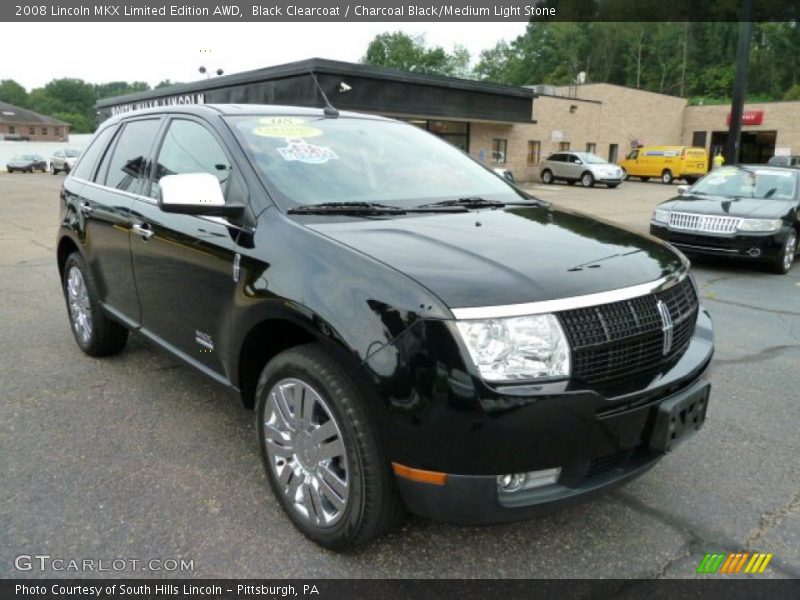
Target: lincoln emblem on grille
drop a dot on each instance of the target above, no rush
(666, 326)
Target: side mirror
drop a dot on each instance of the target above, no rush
(683, 190)
(194, 194)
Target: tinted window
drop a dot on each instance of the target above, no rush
(128, 165)
(87, 164)
(190, 148)
(557, 158)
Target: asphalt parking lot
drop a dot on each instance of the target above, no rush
(138, 457)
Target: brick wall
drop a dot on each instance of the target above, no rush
(36, 132)
(557, 122)
(629, 114)
(599, 114)
(783, 117)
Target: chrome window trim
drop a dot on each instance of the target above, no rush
(115, 190)
(153, 201)
(562, 304)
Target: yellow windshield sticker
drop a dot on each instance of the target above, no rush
(285, 127)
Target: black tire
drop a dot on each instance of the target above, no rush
(547, 177)
(587, 179)
(779, 264)
(373, 505)
(106, 336)
(30, 170)
(666, 177)
(53, 169)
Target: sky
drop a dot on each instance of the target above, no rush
(152, 52)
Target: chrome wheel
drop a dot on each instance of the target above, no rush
(80, 310)
(789, 250)
(306, 452)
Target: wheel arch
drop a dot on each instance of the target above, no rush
(66, 246)
(269, 337)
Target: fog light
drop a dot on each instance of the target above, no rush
(514, 482)
(754, 252)
(511, 483)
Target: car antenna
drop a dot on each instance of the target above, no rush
(329, 111)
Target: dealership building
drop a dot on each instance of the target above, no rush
(504, 126)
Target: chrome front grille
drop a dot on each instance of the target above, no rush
(616, 340)
(703, 223)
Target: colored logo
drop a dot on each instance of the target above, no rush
(734, 563)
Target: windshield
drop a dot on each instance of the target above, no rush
(311, 160)
(591, 159)
(72, 153)
(755, 182)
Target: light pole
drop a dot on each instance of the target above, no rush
(737, 104)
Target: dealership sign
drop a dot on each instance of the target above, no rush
(167, 101)
(750, 117)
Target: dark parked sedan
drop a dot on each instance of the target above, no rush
(27, 163)
(751, 212)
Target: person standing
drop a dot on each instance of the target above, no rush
(719, 160)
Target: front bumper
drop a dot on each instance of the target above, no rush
(446, 421)
(756, 246)
(464, 499)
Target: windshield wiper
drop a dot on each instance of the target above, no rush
(366, 208)
(372, 208)
(477, 202)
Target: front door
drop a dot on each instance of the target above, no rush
(184, 264)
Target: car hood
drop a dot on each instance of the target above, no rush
(509, 256)
(728, 207)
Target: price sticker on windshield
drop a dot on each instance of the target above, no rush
(285, 127)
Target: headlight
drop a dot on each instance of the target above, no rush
(517, 348)
(661, 216)
(763, 225)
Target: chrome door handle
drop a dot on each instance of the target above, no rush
(143, 230)
(85, 207)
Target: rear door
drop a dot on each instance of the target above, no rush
(186, 265)
(105, 196)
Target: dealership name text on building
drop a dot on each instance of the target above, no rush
(169, 101)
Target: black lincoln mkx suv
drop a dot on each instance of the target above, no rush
(412, 330)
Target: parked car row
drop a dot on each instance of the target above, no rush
(62, 161)
(666, 163)
(26, 163)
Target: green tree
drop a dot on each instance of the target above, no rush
(398, 50)
(119, 88)
(13, 93)
(793, 93)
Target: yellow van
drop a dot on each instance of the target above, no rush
(667, 163)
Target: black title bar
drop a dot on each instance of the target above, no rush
(414, 589)
(391, 10)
